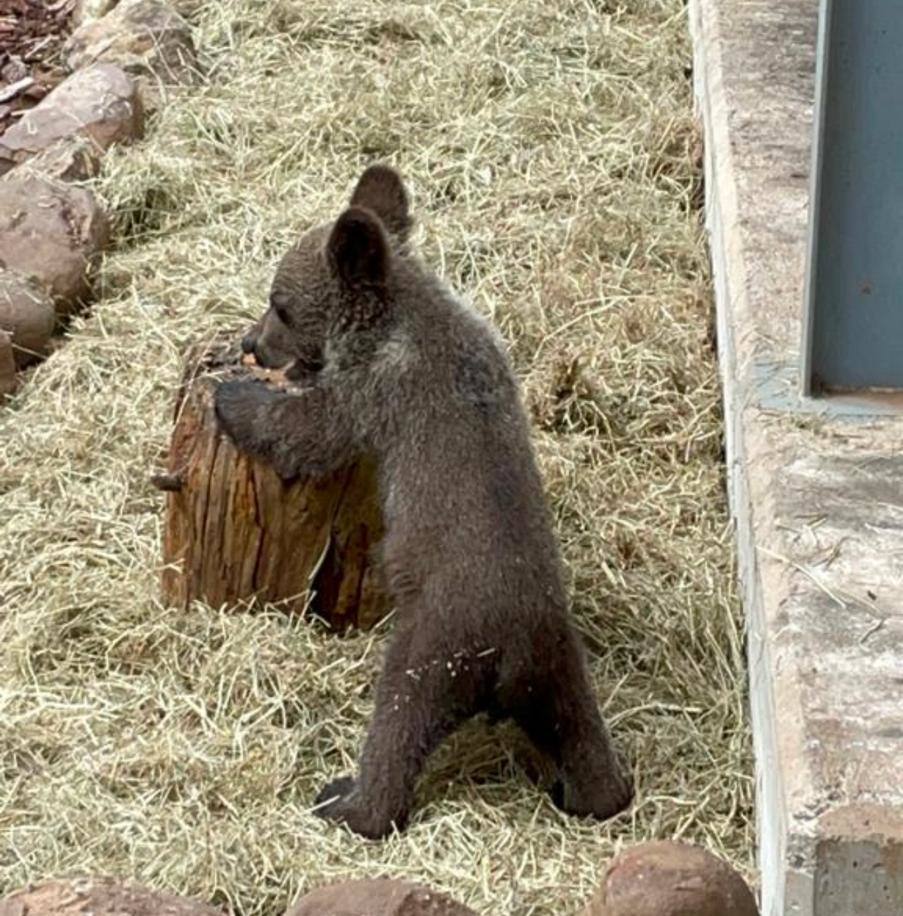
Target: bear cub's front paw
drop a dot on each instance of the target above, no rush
(236, 404)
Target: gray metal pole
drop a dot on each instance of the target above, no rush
(853, 318)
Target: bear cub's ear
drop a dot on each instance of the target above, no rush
(381, 190)
(358, 249)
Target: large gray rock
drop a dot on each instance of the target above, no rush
(99, 897)
(26, 315)
(52, 233)
(7, 378)
(99, 105)
(671, 879)
(377, 897)
(147, 38)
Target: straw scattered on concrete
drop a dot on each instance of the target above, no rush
(551, 151)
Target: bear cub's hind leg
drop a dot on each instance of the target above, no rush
(562, 719)
(416, 708)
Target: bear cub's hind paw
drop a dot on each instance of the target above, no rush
(339, 801)
(602, 801)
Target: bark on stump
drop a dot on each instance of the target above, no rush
(236, 533)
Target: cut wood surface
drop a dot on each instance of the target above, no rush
(237, 534)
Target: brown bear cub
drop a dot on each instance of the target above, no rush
(394, 366)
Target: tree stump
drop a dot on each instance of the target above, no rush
(237, 534)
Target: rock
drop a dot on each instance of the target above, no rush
(7, 386)
(376, 897)
(99, 104)
(53, 234)
(26, 315)
(671, 879)
(72, 159)
(85, 10)
(145, 37)
(99, 897)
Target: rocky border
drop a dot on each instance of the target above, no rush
(120, 58)
(652, 879)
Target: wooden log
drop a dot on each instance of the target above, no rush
(237, 534)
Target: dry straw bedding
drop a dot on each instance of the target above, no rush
(550, 149)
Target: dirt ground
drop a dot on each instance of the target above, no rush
(553, 161)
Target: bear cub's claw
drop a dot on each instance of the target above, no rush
(339, 801)
(332, 793)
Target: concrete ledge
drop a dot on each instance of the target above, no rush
(816, 492)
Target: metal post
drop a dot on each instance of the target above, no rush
(853, 321)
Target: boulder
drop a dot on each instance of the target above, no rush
(671, 879)
(147, 38)
(99, 897)
(376, 897)
(71, 159)
(99, 104)
(85, 10)
(7, 380)
(26, 315)
(53, 234)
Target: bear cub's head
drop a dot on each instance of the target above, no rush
(337, 271)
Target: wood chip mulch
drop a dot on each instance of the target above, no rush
(32, 33)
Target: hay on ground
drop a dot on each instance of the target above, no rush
(551, 152)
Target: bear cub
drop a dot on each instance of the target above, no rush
(393, 366)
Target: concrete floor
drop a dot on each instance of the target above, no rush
(816, 492)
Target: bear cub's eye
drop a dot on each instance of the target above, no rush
(279, 303)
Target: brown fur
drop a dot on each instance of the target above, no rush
(396, 367)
